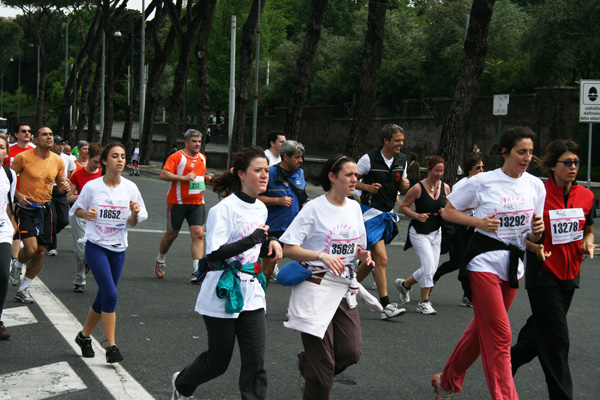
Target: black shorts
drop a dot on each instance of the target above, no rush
(29, 223)
(194, 214)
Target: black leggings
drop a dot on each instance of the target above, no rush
(459, 243)
(5, 252)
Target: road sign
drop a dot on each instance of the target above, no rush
(589, 101)
(501, 104)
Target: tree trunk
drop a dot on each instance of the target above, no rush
(243, 77)
(367, 93)
(300, 88)
(85, 93)
(93, 104)
(126, 139)
(466, 86)
(156, 70)
(203, 102)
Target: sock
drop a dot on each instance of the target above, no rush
(404, 286)
(384, 301)
(195, 265)
(161, 258)
(25, 284)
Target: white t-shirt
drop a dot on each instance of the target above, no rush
(513, 201)
(364, 165)
(321, 226)
(229, 221)
(272, 159)
(109, 229)
(69, 164)
(6, 227)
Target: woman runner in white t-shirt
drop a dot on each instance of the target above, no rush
(328, 234)
(7, 228)
(109, 205)
(508, 204)
(236, 236)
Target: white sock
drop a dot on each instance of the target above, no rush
(161, 258)
(195, 265)
(25, 284)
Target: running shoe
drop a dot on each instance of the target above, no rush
(465, 302)
(23, 296)
(159, 270)
(52, 253)
(4, 333)
(15, 272)
(85, 344)
(404, 295)
(194, 278)
(113, 355)
(374, 287)
(79, 289)
(426, 308)
(440, 392)
(391, 311)
(176, 395)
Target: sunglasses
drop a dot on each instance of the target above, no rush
(24, 130)
(568, 163)
(479, 167)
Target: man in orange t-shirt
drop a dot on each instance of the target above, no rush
(186, 171)
(38, 169)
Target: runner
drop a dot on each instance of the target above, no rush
(327, 235)
(424, 231)
(508, 205)
(82, 154)
(8, 185)
(90, 172)
(383, 174)
(276, 139)
(235, 238)
(38, 170)
(108, 205)
(462, 234)
(285, 195)
(186, 171)
(553, 267)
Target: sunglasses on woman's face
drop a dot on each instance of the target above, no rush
(568, 163)
(479, 167)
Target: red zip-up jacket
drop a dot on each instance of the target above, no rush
(566, 258)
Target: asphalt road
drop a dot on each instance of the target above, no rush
(159, 333)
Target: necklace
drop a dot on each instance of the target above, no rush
(431, 188)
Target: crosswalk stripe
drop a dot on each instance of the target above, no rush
(16, 316)
(114, 377)
(40, 382)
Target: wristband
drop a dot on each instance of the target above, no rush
(319, 256)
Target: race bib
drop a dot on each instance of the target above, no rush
(197, 186)
(564, 225)
(112, 216)
(343, 244)
(515, 223)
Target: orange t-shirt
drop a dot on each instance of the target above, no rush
(181, 163)
(37, 176)
(78, 166)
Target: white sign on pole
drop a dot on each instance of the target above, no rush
(589, 101)
(501, 104)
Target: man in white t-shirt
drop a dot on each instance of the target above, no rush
(383, 175)
(276, 139)
(67, 151)
(60, 206)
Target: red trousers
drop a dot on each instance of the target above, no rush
(487, 334)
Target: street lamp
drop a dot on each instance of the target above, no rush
(116, 34)
(2, 86)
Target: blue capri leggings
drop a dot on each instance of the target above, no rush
(106, 266)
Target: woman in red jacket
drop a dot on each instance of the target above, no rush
(553, 265)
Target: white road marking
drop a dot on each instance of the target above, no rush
(16, 316)
(41, 382)
(162, 231)
(114, 377)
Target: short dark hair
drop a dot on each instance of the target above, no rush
(37, 131)
(388, 131)
(19, 125)
(554, 150)
(272, 136)
(333, 164)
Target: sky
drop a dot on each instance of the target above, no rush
(11, 12)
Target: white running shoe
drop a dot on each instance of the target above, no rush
(440, 392)
(404, 295)
(392, 310)
(176, 395)
(15, 273)
(426, 308)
